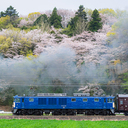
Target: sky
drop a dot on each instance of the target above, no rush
(24, 7)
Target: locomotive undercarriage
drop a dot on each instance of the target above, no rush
(62, 112)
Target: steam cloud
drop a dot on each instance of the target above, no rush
(55, 64)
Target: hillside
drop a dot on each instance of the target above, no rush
(48, 58)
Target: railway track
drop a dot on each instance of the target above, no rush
(92, 118)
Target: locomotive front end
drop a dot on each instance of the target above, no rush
(16, 104)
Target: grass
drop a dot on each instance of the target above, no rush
(25, 123)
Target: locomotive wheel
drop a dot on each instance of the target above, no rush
(30, 112)
(63, 112)
(19, 112)
(89, 112)
(71, 112)
(25, 112)
(56, 113)
(97, 112)
(101, 112)
(104, 112)
(108, 112)
(37, 112)
(85, 112)
(80, 112)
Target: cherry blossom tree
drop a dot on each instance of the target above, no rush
(66, 16)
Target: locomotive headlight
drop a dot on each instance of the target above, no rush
(13, 105)
(113, 105)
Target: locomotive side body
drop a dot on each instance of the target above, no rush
(63, 105)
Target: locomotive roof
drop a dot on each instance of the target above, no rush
(64, 96)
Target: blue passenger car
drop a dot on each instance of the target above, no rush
(63, 105)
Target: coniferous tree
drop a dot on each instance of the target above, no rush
(95, 23)
(12, 13)
(78, 23)
(73, 22)
(81, 13)
(55, 19)
(41, 19)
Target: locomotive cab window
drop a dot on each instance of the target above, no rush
(109, 100)
(96, 100)
(31, 99)
(73, 100)
(85, 100)
(17, 100)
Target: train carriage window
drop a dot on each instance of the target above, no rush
(104, 100)
(17, 100)
(121, 101)
(73, 100)
(85, 100)
(31, 99)
(96, 100)
(109, 100)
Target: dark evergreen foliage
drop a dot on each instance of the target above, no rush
(10, 12)
(95, 23)
(80, 18)
(73, 22)
(41, 19)
(55, 19)
(81, 13)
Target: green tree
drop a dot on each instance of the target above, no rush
(70, 27)
(108, 11)
(4, 21)
(81, 13)
(95, 22)
(41, 19)
(12, 13)
(67, 31)
(34, 15)
(78, 23)
(55, 19)
(73, 23)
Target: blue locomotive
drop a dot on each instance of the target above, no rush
(60, 104)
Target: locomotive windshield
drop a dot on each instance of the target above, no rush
(109, 100)
(17, 100)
